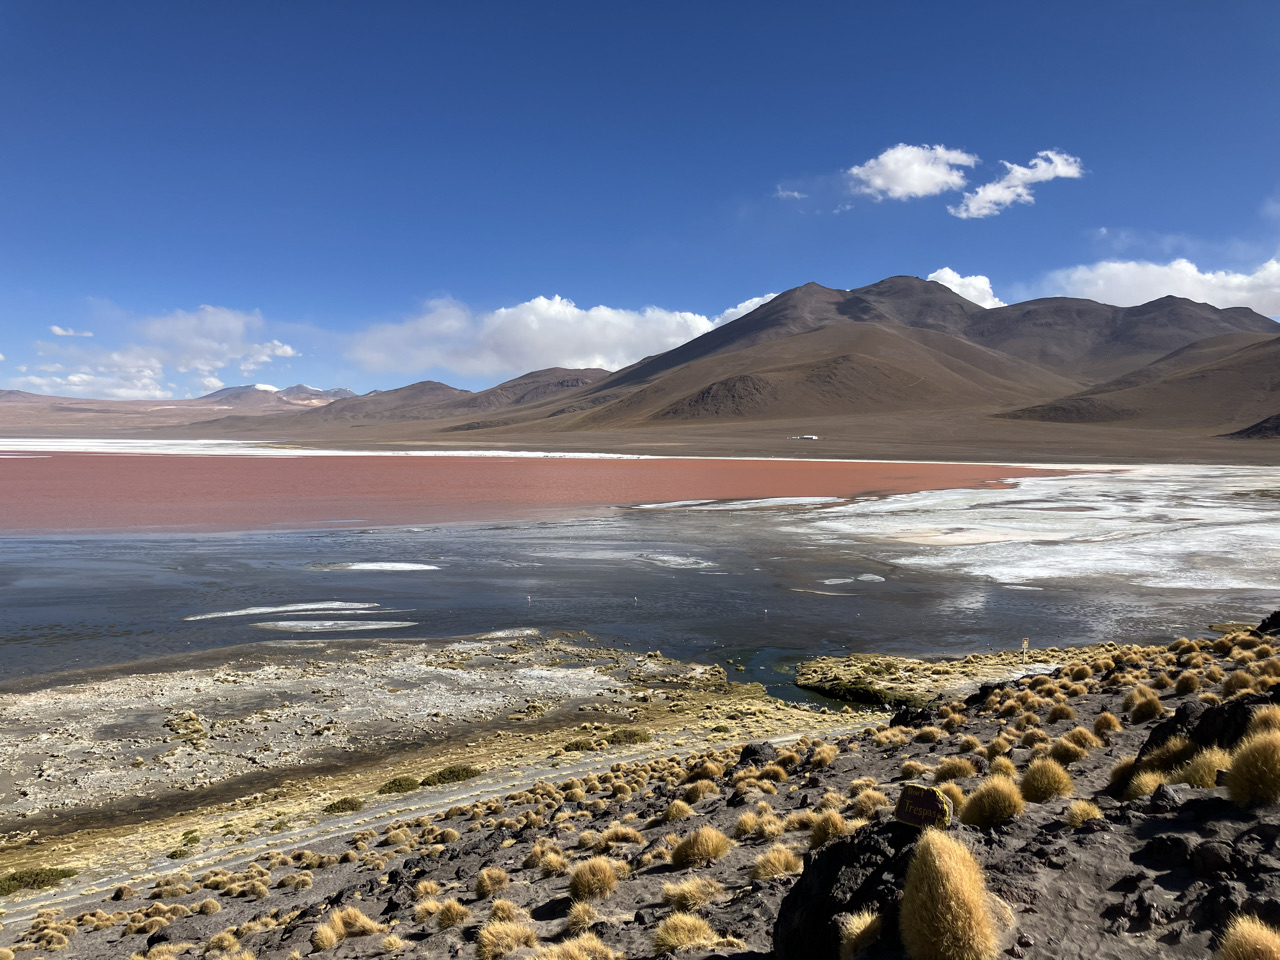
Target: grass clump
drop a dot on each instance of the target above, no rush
(1044, 780)
(454, 773)
(1003, 767)
(1264, 719)
(945, 913)
(1144, 783)
(1081, 812)
(704, 845)
(400, 785)
(585, 946)
(593, 879)
(1147, 709)
(628, 735)
(490, 881)
(345, 805)
(692, 894)
(341, 924)
(826, 826)
(1202, 769)
(682, 931)
(1248, 938)
(582, 916)
(580, 745)
(954, 768)
(857, 932)
(866, 803)
(501, 937)
(451, 914)
(678, 810)
(996, 801)
(36, 878)
(1254, 778)
(1106, 722)
(777, 861)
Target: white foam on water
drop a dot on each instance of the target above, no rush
(1164, 526)
(836, 580)
(283, 608)
(870, 578)
(329, 626)
(679, 563)
(373, 565)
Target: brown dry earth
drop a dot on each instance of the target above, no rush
(1158, 872)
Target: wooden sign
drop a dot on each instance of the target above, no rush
(923, 806)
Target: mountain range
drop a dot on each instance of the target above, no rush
(879, 364)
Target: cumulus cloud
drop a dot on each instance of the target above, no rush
(201, 343)
(58, 331)
(1015, 186)
(1130, 282)
(906, 171)
(542, 332)
(976, 288)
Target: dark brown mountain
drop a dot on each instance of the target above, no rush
(1226, 392)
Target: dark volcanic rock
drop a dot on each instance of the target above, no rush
(864, 871)
(1272, 623)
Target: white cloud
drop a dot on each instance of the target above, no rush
(789, 194)
(58, 331)
(1, 358)
(1014, 187)
(201, 343)
(741, 310)
(976, 288)
(907, 171)
(539, 333)
(1130, 282)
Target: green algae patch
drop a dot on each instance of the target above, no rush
(34, 879)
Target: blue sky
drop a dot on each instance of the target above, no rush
(371, 194)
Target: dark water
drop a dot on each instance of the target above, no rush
(737, 590)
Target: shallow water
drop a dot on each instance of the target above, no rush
(1136, 554)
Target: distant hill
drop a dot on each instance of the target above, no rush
(1207, 385)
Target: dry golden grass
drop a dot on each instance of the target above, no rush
(1264, 719)
(777, 861)
(1082, 737)
(1171, 754)
(1060, 711)
(1254, 778)
(866, 803)
(857, 932)
(826, 826)
(1122, 770)
(691, 894)
(1033, 736)
(1202, 769)
(1248, 938)
(700, 789)
(954, 768)
(1066, 753)
(1188, 682)
(995, 801)
(593, 879)
(554, 864)
(1106, 722)
(343, 923)
(1044, 780)
(425, 910)
(1002, 767)
(682, 931)
(1082, 811)
(501, 937)
(490, 880)
(823, 756)
(968, 744)
(1147, 709)
(451, 914)
(506, 910)
(585, 946)
(1144, 783)
(953, 793)
(928, 735)
(582, 916)
(1241, 681)
(945, 912)
(704, 845)
(677, 810)
(912, 770)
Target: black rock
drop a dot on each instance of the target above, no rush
(1167, 797)
(1211, 859)
(1168, 851)
(864, 871)
(757, 754)
(1270, 624)
(913, 717)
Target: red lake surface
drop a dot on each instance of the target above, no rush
(105, 492)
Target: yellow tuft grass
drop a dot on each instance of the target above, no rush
(490, 881)
(1254, 778)
(451, 914)
(1106, 722)
(1144, 783)
(501, 937)
(857, 932)
(995, 801)
(954, 768)
(1264, 719)
(826, 826)
(692, 894)
(585, 946)
(343, 923)
(866, 803)
(1003, 767)
(678, 810)
(593, 879)
(777, 861)
(704, 845)
(682, 931)
(1044, 780)
(1202, 769)
(582, 916)
(1081, 812)
(1248, 938)
(945, 912)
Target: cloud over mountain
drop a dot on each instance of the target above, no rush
(1129, 282)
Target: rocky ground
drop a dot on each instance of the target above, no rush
(1089, 794)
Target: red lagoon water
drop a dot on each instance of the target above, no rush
(65, 492)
